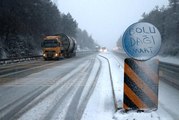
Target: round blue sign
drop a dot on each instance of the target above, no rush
(141, 41)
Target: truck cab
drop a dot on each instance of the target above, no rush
(52, 47)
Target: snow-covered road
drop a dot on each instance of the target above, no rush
(101, 104)
(74, 89)
(59, 92)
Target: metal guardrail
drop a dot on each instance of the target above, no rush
(22, 59)
(112, 84)
(169, 73)
(19, 59)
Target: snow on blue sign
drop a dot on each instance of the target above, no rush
(141, 41)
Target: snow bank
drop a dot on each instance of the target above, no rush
(100, 105)
(134, 115)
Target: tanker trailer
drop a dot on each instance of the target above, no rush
(68, 44)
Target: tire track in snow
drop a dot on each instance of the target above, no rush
(37, 104)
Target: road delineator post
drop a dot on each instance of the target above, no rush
(141, 41)
(140, 85)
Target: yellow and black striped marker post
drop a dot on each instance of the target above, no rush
(140, 84)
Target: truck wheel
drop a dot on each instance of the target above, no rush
(45, 59)
(57, 58)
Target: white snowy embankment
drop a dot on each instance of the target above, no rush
(100, 105)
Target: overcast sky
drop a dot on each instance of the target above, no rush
(106, 20)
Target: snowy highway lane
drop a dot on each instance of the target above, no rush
(60, 91)
(75, 89)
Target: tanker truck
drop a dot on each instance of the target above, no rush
(58, 46)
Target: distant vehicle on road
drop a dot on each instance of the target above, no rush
(103, 49)
(58, 46)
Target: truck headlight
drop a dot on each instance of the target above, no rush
(44, 55)
(56, 54)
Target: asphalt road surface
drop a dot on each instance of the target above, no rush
(52, 86)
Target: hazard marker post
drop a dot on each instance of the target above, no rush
(141, 41)
(140, 84)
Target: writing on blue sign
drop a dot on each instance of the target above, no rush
(149, 30)
(141, 41)
(144, 40)
(142, 50)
